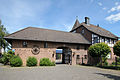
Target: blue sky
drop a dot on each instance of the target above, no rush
(59, 14)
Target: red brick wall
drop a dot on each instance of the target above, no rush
(24, 53)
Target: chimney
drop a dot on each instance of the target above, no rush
(87, 20)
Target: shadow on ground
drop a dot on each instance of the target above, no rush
(110, 76)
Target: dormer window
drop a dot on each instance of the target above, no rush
(83, 31)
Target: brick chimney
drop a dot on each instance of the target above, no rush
(87, 20)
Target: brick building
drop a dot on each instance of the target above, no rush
(42, 43)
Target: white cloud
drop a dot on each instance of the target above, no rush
(113, 17)
(116, 3)
(100, 4)
(116, 8)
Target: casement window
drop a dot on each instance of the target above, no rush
(25, 44)
(83, 31)
(45, 45)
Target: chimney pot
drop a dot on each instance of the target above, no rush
(87, 20)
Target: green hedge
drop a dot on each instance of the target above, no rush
(6, 57)
(31, 61)
(16, 61)
(46, 62)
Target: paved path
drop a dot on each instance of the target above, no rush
(59, 72)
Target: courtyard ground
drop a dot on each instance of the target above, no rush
(59, 72)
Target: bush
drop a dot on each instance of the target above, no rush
(105, 63)
(16, 61)
(46, 62)
(6, 57)
(116, 48)
(31, 61)
(11, 52)
(99, 49)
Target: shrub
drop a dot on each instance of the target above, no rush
(53, 63)
(116, 48)
(99, 49)
(6, 57)
(46, 62)
(105, 63)
(16, 61)
(11, 52)
(31, 61)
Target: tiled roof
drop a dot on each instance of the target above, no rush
(39, 34)
(97, 30)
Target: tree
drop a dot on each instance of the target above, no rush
(3, 32)
(100, 50)
(116, 48)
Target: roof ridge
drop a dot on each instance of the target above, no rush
(52, 30)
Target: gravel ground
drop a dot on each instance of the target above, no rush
(59, 72)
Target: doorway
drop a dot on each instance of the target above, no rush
(64, 56)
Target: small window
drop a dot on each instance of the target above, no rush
(78, 47)
(78, 56)
(45, 45)
(85, 56)
(24, 44)
(83, 31)
(85, 47)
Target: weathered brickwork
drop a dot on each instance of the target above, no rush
(49, 52)
(87, 34)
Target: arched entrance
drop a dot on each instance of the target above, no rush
(64, 55)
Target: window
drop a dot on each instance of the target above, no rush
(108, 40)
(24, 44)
(78, 56)
(85, 47)
(103, 40)
(95, 39)
(83, 31)
(45, 45)
(78, 47)
(85, 56)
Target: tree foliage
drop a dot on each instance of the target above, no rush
(3, 32)
(6, 57)
(116, 48)
(99, 49)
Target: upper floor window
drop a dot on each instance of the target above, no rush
(25, 43)
(78, 47)
(45, 45)
(95, 39)
(83, 31)
(103, 40)
(85, 47)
